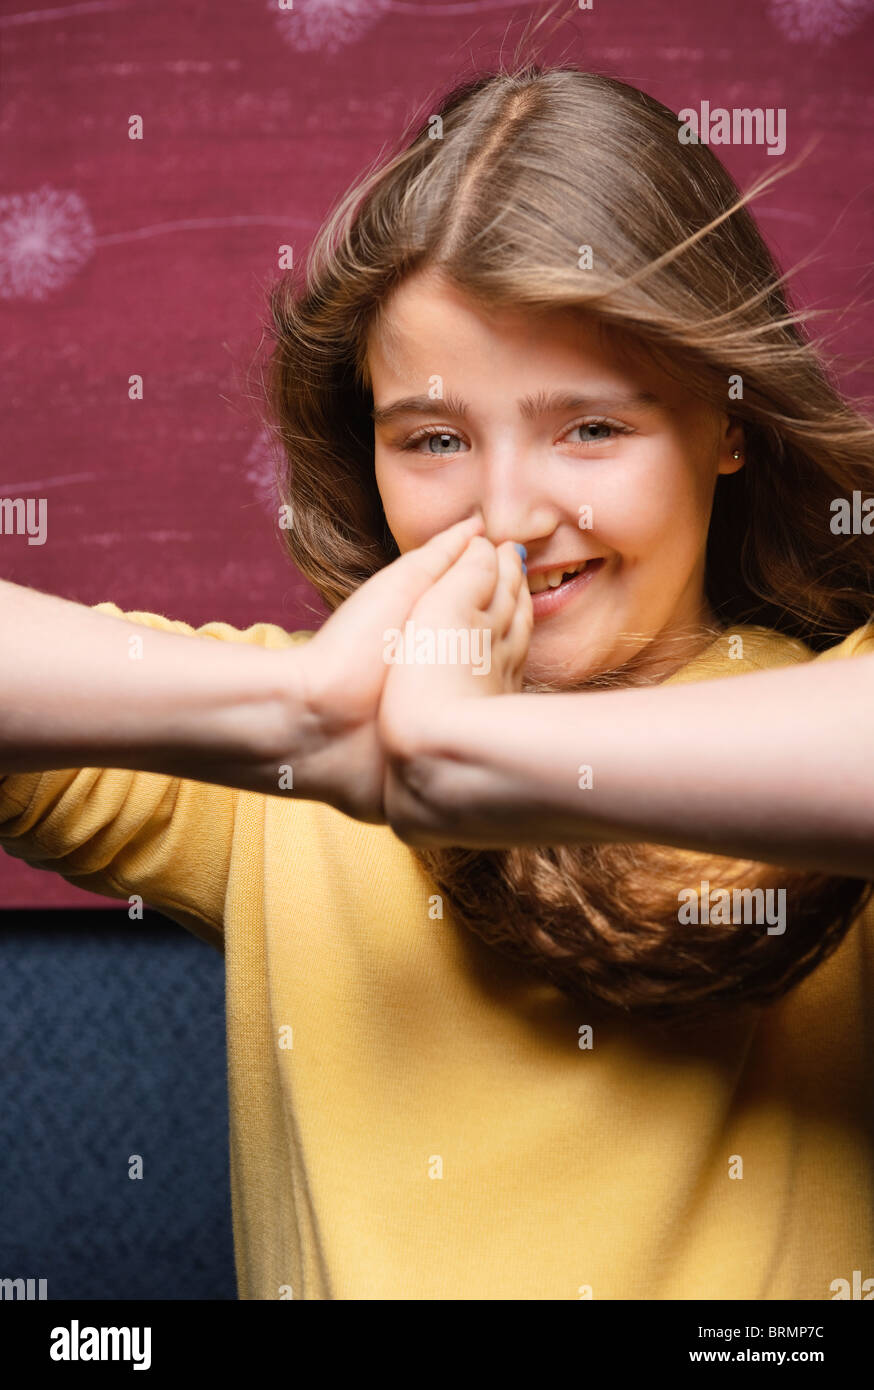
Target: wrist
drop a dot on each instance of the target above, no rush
(236, 714)
(331, 728)
(439, 774)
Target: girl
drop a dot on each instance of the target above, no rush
(592, 1023)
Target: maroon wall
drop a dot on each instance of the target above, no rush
(151, 256)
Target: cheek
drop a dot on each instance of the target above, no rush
(401, 505)
(414, 513)
(657, 509)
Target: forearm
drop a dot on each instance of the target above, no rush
(775, 766)
(79, 688)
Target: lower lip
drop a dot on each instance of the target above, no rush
(552, 600)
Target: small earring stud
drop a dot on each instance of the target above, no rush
(736, 454)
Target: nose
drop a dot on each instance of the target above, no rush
(512, 500)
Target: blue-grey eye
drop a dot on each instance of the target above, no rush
(443, 443)
(587, 438)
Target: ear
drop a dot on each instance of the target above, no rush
(731, 442)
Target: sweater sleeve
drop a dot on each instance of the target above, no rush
(859, 643)
(119, 832)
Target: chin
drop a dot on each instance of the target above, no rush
(559, 671)
(569, 667)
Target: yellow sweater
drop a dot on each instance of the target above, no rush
(413, 1118)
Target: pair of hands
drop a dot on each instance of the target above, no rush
(372, 721)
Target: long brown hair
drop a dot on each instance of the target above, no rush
(498, 189)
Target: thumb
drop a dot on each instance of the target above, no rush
(418, 569)
(389, 596)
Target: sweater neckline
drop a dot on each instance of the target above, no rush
(738, 650)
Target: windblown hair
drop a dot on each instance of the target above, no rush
(497, 191)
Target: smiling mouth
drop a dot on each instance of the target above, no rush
(549, 598)
(551, 580)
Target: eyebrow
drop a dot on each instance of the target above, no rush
(542, 403)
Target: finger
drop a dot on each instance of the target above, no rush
(503, 605)
(428, 562)
(469, 585)
(389, 596)
(521, 626)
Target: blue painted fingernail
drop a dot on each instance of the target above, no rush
(522, 551)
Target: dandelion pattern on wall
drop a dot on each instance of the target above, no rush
(820, 20)
(46, 237)
(262, 466)
(327, 26)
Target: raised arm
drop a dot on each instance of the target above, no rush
(83, 688)
(79, 687)
(775, 766)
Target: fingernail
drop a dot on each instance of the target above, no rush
(523, 555)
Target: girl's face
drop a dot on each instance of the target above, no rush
(595, 461)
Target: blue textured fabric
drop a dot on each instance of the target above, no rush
(112, 1043)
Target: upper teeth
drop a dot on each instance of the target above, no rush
(550, 579)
